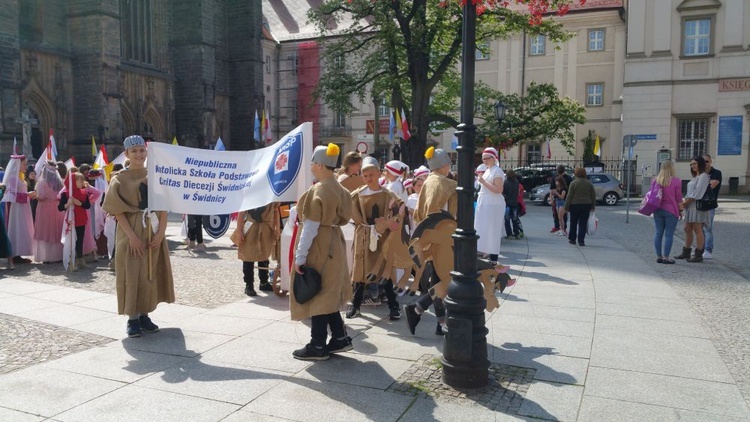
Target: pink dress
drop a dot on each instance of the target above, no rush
(89, 242)
(20, 223)
(48, 225)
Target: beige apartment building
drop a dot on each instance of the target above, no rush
(687, 83)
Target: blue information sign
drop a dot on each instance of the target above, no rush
(215, 225)
(646, 137)
(730, 135)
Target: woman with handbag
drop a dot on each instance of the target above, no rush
(321, 211)
(694, 218)
(666, 216)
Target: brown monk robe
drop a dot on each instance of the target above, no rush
(365, 210)
(438, 193)
(257, 244)
(329, 204)
(368, 208)
(135, 293)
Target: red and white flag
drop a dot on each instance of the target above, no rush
(101, 160)
(68, 236)
(404, 126)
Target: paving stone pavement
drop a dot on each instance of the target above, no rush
(601, 331)
(717, 290)
(204, 279)
(505, 392)
(26, 342)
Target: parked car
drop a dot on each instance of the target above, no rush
(538, 174)
(608, 189)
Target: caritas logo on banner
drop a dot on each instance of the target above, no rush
(206, 182)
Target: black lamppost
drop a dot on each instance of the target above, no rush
(465, 363)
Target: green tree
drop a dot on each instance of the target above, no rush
(405, 49)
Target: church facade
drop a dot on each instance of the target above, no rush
(190, 69)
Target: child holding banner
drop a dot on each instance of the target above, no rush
(256, 243)
(321, 211)
(142, 267)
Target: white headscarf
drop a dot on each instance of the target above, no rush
(12, 177)
(51, 177)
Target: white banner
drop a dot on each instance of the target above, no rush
(205, 182)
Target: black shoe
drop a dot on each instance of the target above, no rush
(250, 291)
(352, 312)
(311, 352)
(21, 260)
(439, 330)
(412, 317)
(667, 261)
(265, 287)
(147, 325)
(572, 242)
(340, 346)
(581, 244)
(134, 328)
(395, 314)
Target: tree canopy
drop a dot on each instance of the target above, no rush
(407, 51)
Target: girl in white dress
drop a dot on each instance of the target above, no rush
(490, 212)
(20, 223)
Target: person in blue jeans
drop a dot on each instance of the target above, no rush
(714, 183)
(665, 218)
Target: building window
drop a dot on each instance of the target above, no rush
(483, 51)
(339, 120)
(596, 39)
(533, 153)
(594, 94)
(537, 45)
(136, 30)
(697, 37)
(383, 109)
(295, 112)
(268, 64)
(693, 138)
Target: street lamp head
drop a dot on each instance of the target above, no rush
(500, 109)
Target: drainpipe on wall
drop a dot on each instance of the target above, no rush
(523, 86)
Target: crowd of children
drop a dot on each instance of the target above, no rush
(375, 201)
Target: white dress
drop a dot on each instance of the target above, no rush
(489, 219)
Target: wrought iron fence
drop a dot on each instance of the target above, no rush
(614, 166)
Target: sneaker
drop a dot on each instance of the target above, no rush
(395, 314)
(250, 291)
(412, 317)
(707, 255)
(134, 328)
(521, 235)
(265, 287)
(340, 346)
(554, 230)
(508, 237)
(517, 237)
(439, 330)
(200, 247)
(311, 352)
(147, 325)
(191, 244)
(560, 233)
(352, 312)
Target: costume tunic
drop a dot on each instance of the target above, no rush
(48, 227)
(259, 240)
(367, 205)
(135, 293)
(89, 242)
(329, 204)
(489, 219)
(438, 194)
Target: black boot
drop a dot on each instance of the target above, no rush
(685, 253)
(698, 257)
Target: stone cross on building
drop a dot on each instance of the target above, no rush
(26, 121)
